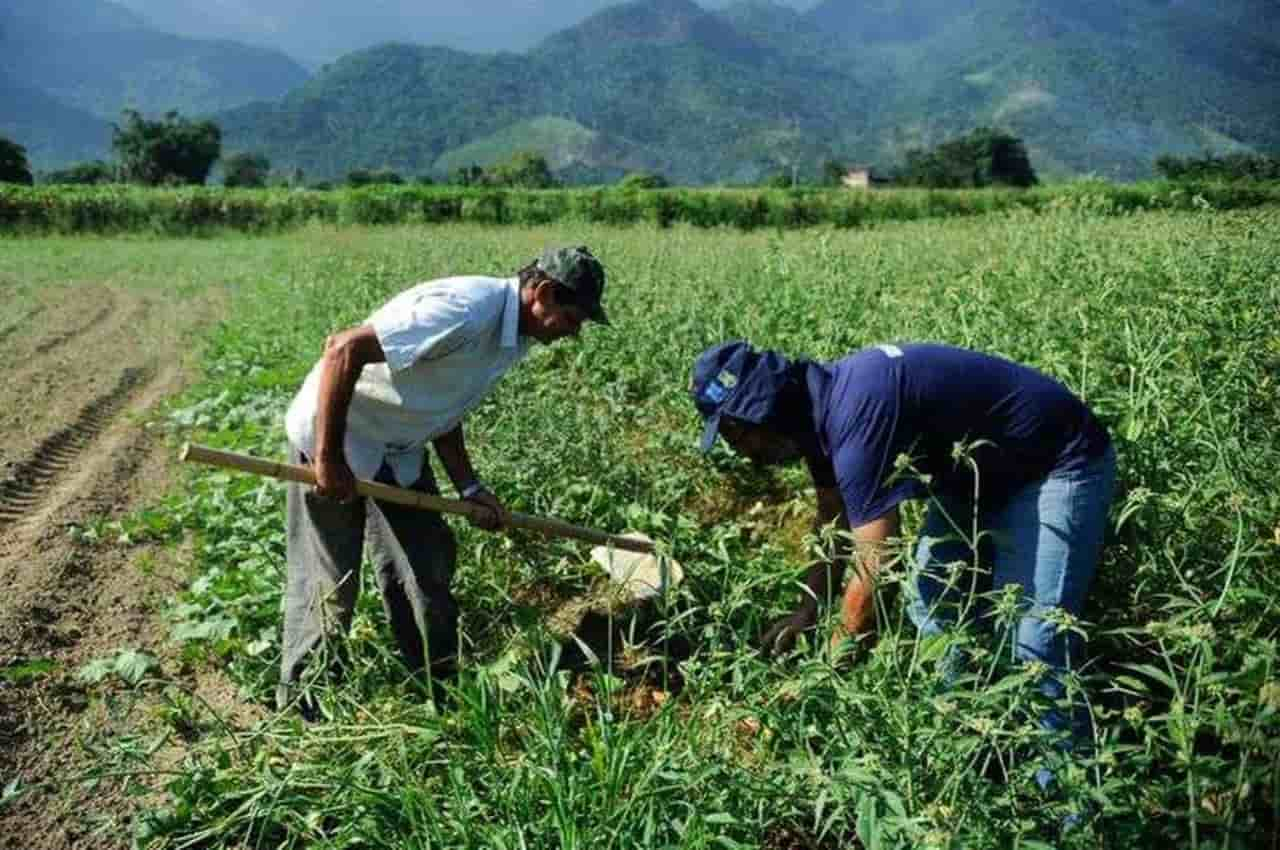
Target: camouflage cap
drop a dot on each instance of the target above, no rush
(576, 268)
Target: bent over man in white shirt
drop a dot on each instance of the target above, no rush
(378, 395)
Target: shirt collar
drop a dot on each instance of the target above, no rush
(511, 315)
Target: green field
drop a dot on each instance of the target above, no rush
(1164, 321)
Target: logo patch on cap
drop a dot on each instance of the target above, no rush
(719, 389)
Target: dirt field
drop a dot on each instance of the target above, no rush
(83, 367)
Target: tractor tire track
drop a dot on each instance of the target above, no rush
(62, 369)
(21, 322)
(68, 316)
(29, 478)
(66, 336)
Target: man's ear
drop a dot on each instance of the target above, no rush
(544, 292)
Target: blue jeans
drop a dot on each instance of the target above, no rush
(1045, 539)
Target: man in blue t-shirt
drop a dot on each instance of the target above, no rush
(996, 447)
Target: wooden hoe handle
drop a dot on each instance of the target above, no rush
(412, 498)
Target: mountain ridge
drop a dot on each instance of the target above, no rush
(96, 58)
(52, 133)
(318, 32)
(758, 88)
(659, 23)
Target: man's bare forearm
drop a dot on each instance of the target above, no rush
(857, 610)
(823, 580)
(339, 373)
(345, 356)
(822, 584)
(451, 447)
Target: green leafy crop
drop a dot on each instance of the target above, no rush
(678, 734)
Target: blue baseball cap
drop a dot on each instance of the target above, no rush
(734, 379)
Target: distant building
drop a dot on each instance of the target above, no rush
(861, 177)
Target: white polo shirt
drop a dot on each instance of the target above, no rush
(447, 343)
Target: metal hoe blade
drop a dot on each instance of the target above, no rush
(639, 575)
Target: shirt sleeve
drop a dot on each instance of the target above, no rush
(428, 326)
(868, 485)
(864, 462)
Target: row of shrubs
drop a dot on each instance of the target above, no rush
(121, 209)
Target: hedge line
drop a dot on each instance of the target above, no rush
(122, 209)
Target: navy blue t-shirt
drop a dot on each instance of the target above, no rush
(922, 399)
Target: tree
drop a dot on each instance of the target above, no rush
(82, 174)
(525, 169)
(14, 167)
(1229, 167)
(469, 175)
(246, 170)
(981, 158)
(173, 150)
(1171, 167)
(1010, 165)
(378, 177)
(643, 180)
(833, 172)
(294, 179)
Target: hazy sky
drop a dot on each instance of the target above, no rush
(317, 31)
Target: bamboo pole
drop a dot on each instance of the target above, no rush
(422, 501)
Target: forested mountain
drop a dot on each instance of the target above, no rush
(1099, 86)
(781, 27)
(1093, 85)
(64, 57)
(321, 31)
(732, 93)
(397, 105)
(51, 132)
(576, 153)
(661, 82)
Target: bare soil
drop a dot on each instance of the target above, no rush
(83, 371)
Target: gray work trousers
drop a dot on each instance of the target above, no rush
(413, 553)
